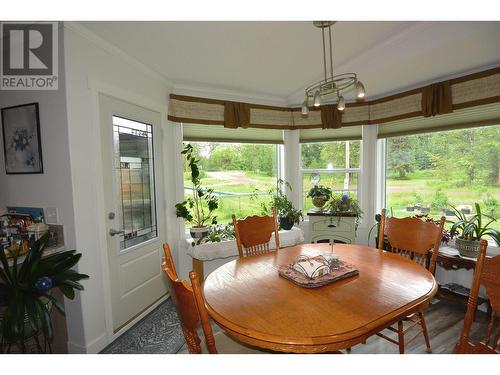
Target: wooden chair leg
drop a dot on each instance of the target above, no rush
(401, 338)
(424, 331)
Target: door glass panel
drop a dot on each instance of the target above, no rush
(134, 180)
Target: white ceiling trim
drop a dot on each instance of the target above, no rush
(227, 94)
(115, 51)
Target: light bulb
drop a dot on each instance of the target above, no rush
(305, 108)
(317, 99)
(341, 103)
(360, 90)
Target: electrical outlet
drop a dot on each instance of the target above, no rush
(51, 215)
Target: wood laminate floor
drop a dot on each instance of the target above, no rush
(445, 321)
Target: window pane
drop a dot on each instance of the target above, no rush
(339, 183)
(133, 150)
(329, 155)
(240, 174)
(426, 172)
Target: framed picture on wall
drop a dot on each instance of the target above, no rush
(21, 139)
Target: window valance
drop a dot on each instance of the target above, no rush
(436, 100)
(483, 115)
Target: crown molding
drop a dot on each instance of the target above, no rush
(117, 52)
(436, 79)
(220, 93)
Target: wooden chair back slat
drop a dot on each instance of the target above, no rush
(412, 238)
(254, 233)
(486, 273)
(168, 258)
(189, 303)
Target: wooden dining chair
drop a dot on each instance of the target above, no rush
(253, 234)
(487, 274)
(168, 259)
(191, 310)
(414, 239)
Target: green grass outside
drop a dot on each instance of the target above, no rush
(422, 187)
(419, 186)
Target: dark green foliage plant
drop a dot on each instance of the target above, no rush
(320, 191)
(343, 205)
(217, 233)
(280, 202)
(25, 291)
(200, 208)
(474, 227)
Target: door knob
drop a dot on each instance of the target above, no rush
(113, 232)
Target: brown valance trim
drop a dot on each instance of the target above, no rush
(436, 99)
(236, 115)
(464, 92)
(331, 117)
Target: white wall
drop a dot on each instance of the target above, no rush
(93, 66)
(52, 188)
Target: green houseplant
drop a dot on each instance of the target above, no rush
(472, 228)
(200, 208)
(320, 195)
(288, 215)
(342, 205)
(25, 293)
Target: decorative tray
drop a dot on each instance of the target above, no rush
(336, 270)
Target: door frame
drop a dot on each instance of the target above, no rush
(97, 87)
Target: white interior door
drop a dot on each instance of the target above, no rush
(132, 177)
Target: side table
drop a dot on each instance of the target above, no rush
(450, 260)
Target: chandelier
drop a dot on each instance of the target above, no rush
(332, 85)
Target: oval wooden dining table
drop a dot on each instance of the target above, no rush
(250, 301)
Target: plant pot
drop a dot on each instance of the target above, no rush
(319, 202)
(198, 232)
(286, 223)
(467, 248)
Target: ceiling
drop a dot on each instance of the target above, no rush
(275, 61)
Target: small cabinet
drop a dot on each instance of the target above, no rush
(324, 227)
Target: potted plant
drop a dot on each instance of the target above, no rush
(25, 293)
(472, 228)
(199, 209)
(320, 195)
(343, 205)
(287, 214)
(217, 233)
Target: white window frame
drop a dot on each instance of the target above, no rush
(304, 171)
(280, 167)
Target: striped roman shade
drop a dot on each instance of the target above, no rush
(346, 133)
(488, 114)
(216, 133)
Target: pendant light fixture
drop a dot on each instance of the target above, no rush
(332, 85)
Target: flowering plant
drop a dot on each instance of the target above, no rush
(344, 205)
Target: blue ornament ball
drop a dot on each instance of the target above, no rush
(43, 284)
(345, 197)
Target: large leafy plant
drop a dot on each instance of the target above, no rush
(320, 191)
(200, 208)
(25, 291)
(474, 227)
(280, 202)
(344, 205)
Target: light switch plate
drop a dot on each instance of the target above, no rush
(51, 215)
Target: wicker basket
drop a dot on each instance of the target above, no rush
(467, 248)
